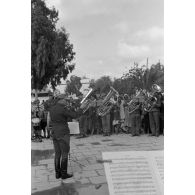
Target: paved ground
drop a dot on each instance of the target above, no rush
(89, 177)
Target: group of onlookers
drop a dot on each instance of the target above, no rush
(39, 116)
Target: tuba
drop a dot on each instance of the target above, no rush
(151, 101)
(85, 103)
(107, 103)
(134, 104)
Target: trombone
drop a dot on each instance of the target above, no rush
(86, 102)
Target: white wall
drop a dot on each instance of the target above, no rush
(40, 99)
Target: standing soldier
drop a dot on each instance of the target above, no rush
(83, 122)
(162, 115)
(146, 123)
(154, 113)
(92, 114)
(59, 114)
(122, 111)
(127, 122)
(106, 123)
(116, 116)
(136, 118)
(98, 118)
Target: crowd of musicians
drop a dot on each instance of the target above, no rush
(107, 114)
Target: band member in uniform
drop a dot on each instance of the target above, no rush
(136, 119)
(59, 114)
(122, 111)
(146, 122)
(127, 122)
(106, 124)
(162, 115)
(84, 114)
(99, 119)
(92, 114)
(116, 116)
(154, 113)
(83, 123)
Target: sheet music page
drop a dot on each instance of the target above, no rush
(157, 161)
(134, 172)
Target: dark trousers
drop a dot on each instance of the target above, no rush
(162, 123)
(61, 148)
(146, 124)
(98, 124)
(155, 122)
(106, 123)
(37, 131)
(83, 124)
(111, 121)
(136, 124)
(92, 123)
(43, 125)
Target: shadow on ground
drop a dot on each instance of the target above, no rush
(76, 189)
(37, 155)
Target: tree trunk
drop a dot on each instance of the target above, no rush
(36, 94)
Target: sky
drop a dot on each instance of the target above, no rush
(108, 36)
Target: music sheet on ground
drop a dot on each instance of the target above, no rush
(134, 172)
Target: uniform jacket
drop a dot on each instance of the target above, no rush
(59, 116)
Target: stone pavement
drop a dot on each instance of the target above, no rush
(89, 176)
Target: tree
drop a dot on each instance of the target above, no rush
(144, 78)
(102, 84)
(92, 83)
(156, 75)
(140, 78)
(51, 51)
(74, 85)
(123, 86)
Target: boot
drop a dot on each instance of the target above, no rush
(64, 166)
(57, 168)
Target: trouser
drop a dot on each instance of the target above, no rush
(49, 130)
(61, 148)
(155, 122)
(136, 124)
(106, 123)
(162, 123)
(111, 121)
(116, 126)
(98, 124)
(83, 124)
(146, 123)
(92, 123)
(32, 130)
(43, 125)
(37, 131)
